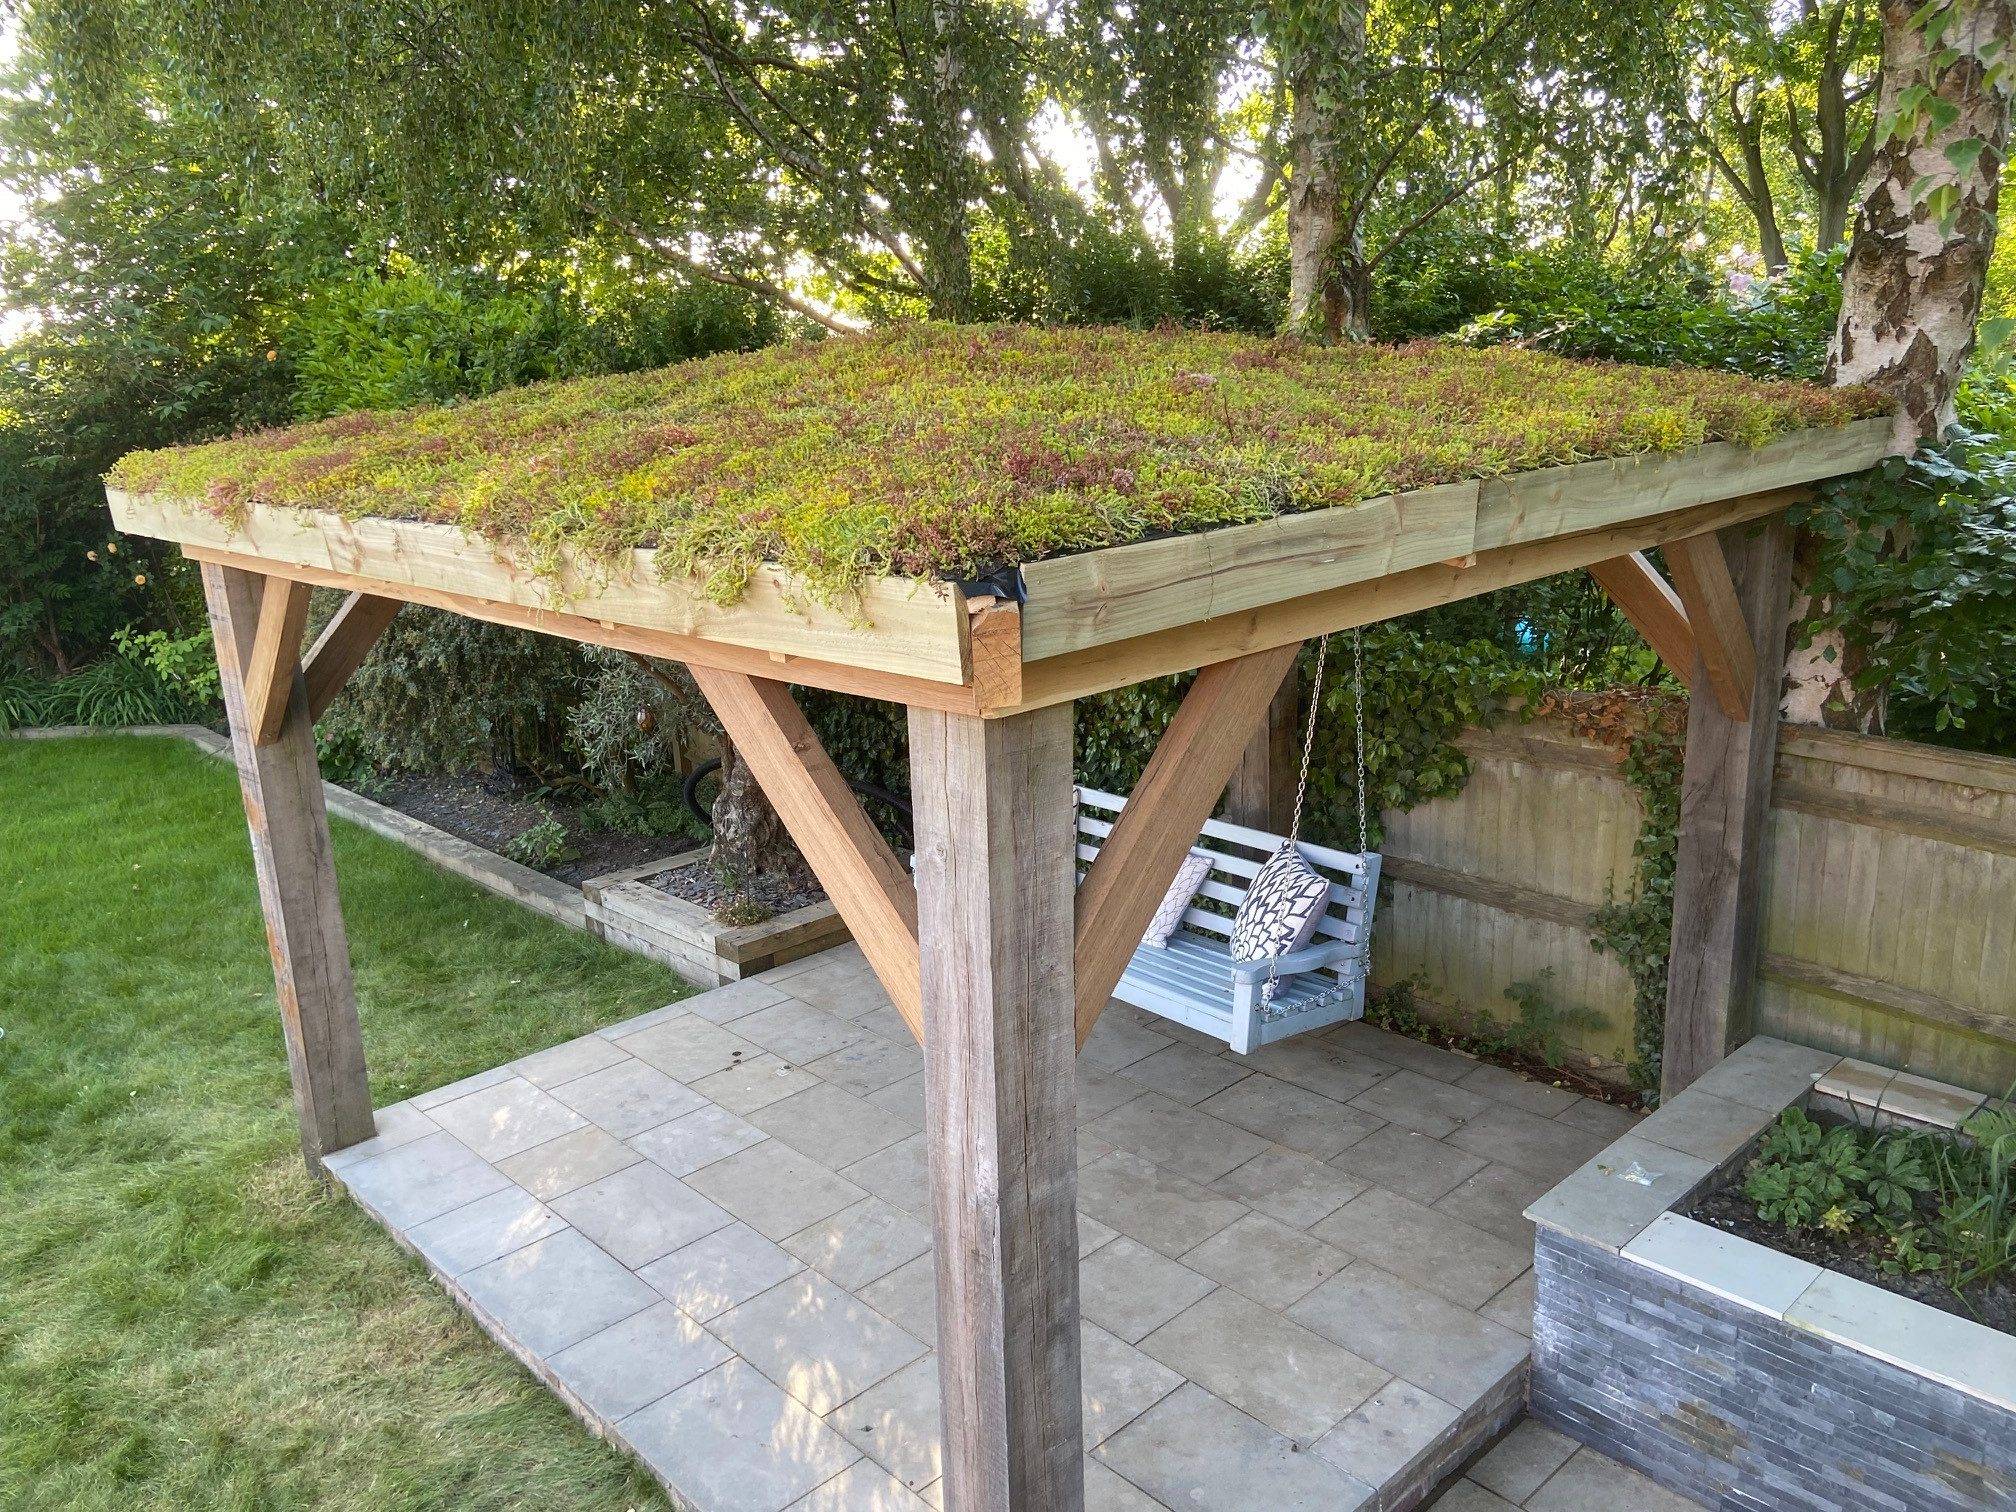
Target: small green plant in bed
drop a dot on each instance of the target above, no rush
(1907, 1203)
(540, 845)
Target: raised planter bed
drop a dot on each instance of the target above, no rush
(626, 910)
(1743, 1377)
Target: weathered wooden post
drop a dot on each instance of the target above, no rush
(996, 838)
(257, 623)
(1739, 613)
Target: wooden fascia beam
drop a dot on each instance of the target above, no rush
(1648, 601)
(1722, 643)
(342, 646)
(1164, 814)
(862, 876)
(275, 654)
(993, 631)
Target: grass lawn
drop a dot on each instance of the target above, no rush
(186, 1319)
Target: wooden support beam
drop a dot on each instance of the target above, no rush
(1164, 813)
(1002, 691)
(1117, 664)
(1725, 797)
(342, 646)
(1261, 794)
(297, 882)
(996, 834)
(1648, 601)
(275, 656)
(1726, 651)
(860, 873)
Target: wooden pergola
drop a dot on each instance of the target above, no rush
(995, 955)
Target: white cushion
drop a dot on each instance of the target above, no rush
(1281, 909)
(1175, 902)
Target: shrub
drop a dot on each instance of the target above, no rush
(1918, 558)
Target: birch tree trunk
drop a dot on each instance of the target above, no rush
(1314, 201)
(1911, 292)
(1912, 289)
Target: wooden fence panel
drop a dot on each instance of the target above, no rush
(1496, 885)
(1889, 899)
(1890, 915)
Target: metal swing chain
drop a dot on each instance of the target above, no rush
(1309, 738)
(1308, 751)
(1358, 702)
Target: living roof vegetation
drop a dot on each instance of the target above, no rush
(933, 450)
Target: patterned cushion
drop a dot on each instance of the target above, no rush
(1169, 912)
(1282, 908)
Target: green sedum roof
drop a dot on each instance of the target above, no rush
(934, 450)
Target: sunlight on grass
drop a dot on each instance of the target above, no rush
(188, 1319)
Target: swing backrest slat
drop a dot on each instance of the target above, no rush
(1232, 873)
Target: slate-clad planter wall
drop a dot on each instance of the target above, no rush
(1740, 1376)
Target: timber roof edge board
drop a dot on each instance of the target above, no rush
(1200, 642)
(906, 626)
(1094, 598)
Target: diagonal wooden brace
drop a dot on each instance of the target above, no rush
(275, 654)
(1168, 807)
(1648, 601)
(342, 646)
(861, 874)
(1722, 643)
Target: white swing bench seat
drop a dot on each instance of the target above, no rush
(1193, 979)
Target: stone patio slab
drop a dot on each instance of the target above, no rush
(1193, 1450)
(422, 1179)
(640, 1214)
(1444, 1254)
(744, 1292)
(829, 1126)
(631, 1364)
(573, 1160)
(774, 1189)
(557, 1292)
(732, 1441)
(1130, 1290)
(719, 1271)
(1291, 1116)
(1158, 1207)
(860, 1244)
(1178, 1137)
(754, 1082)
(1291, 1188)
(481, 1231)
(628, 1098)
(1275, 1371)
(505, 1118)
(1187, 1073)
(564, 1063)
(1389, 1434)
(1410, 1163)
(816, 1341)
(1418, 1335)
(701, 1138)
(1266, 1261)
(862, 1487)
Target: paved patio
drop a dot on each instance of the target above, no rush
(1306, 1280)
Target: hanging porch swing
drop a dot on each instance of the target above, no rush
(1191, 975)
